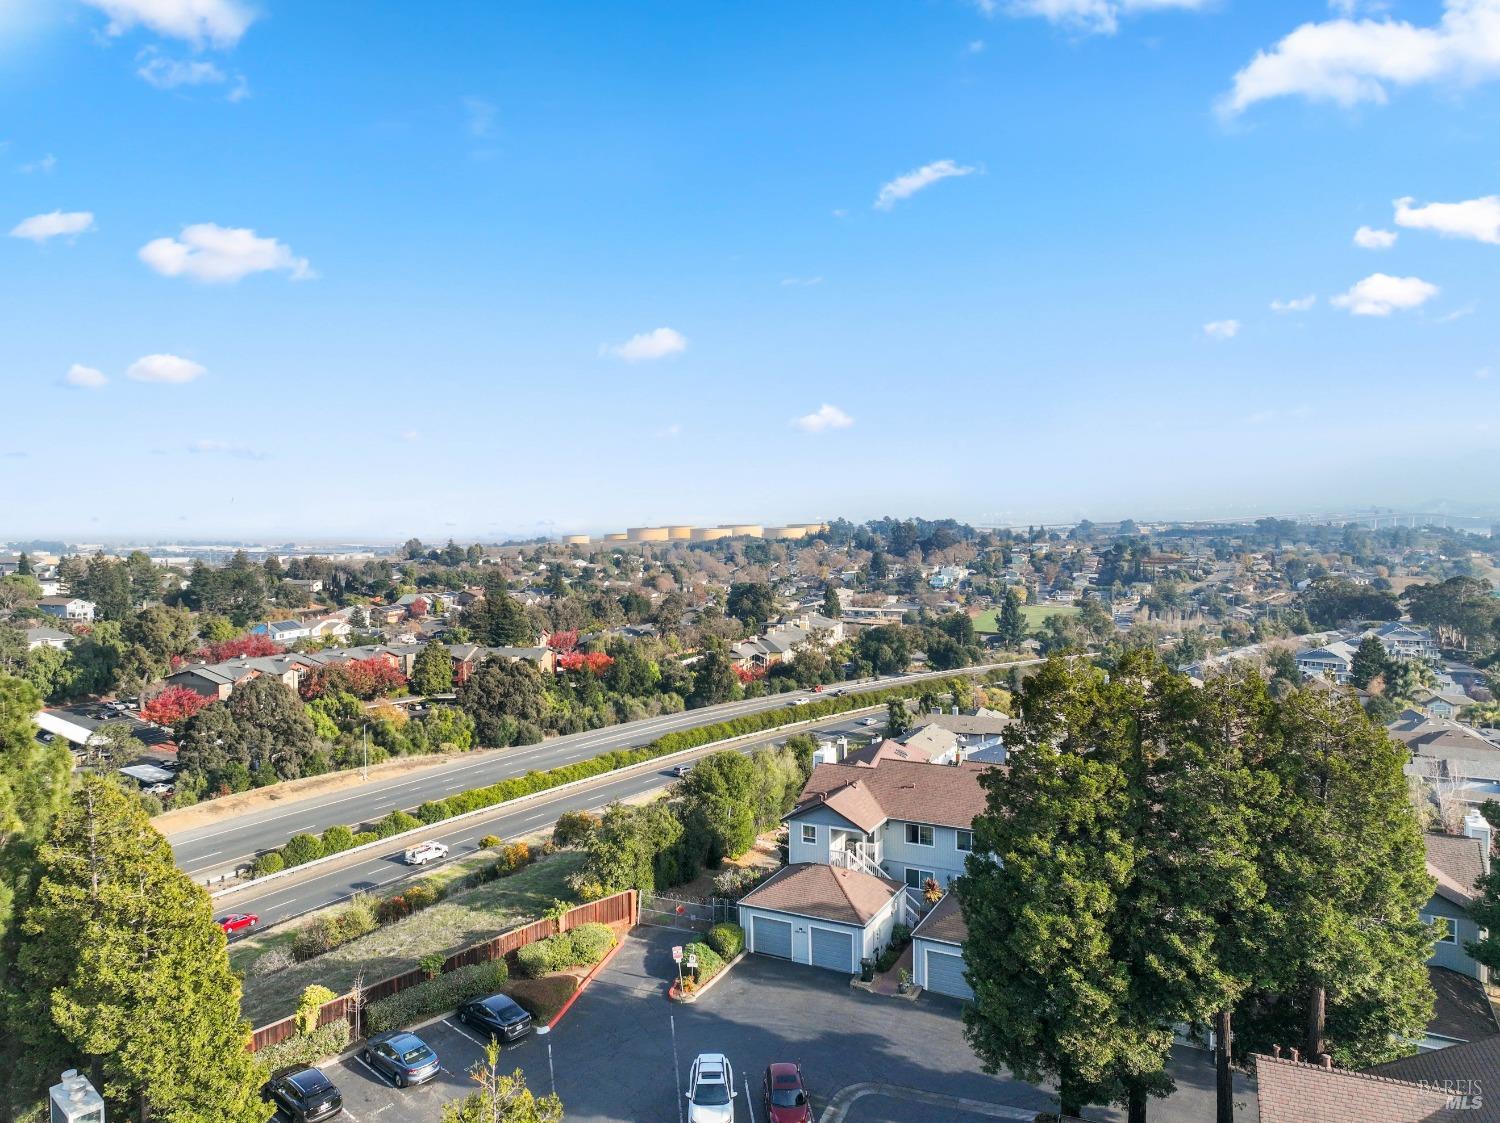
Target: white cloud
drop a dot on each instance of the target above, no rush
(1348, 61)
(669, 431)
(1478, 219)
(1459, 313)
(86, 377)
(1483, 374)
(1296, 304)
(1099, 17)
(481, 116)
(54, 224)
(800, 282)
(825, 417)
(905, 186)
(164, 368)
(975, 47)
(656, 344)
(1222, 329)
(44, 165)
(168, 73)
(1380, 294)
(213, 23)
(1368, 238)
(207, 252)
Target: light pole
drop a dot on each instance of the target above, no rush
(365, 741)
(545, 1033)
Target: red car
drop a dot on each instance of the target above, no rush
(238, 922)
(785, 1096)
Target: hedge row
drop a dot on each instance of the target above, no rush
(305, 847)
(709, 963)
(442, 993)
(306, 1048)
(542, 998)
(578, 947)
(726, 939)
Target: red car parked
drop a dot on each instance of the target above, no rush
(785, 1096)
(237, 922)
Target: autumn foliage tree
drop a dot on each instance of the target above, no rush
(363, 678)
(172, 705)
(594, 662)
(241, 647)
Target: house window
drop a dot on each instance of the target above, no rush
(965, 840)
(809, 833)
(1442, 929)
(918, 834)
(915, 879)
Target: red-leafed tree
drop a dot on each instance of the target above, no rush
(241, 647)
(174, 704)
(747, 675)
(595, 662)
(417, 608)
(363, 678)
(563, 641)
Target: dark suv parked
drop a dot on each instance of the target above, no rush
(305, 1095)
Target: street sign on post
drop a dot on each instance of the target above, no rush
(677, 953)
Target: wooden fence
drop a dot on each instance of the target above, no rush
(620, 908)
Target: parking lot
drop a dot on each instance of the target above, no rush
(869, 1059)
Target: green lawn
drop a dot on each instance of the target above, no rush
(468, 917)
(1036, 615)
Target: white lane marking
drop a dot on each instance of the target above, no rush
(373, 1071)
(460, 1030)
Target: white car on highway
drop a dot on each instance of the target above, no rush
(871, 721)
(425, 852)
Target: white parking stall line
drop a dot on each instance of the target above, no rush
(465, 1033)
(372, 1070)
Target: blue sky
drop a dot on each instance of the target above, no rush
(331, 270)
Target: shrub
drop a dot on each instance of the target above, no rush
(337, 839)
(735, 882)
(365, 836)
(421, 896)
(313, 999)
(432, 965)
(537, 959)
(513, 857)
(442, 993)
(268, 863)
(306, 1048)
(300, 849)
(588, 943)
(392, 909)
(277, 959)
(395, 823)
(709, 963)
(324, 933)
(489, 842)
(727, 939)
(313, 938)
(574, 828)
(542, 998)
(434, 811)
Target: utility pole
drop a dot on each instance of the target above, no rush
(365, 741)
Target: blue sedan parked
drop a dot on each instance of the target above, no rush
(403, 1057)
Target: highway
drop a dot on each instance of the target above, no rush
(226, 844)
(295, 894)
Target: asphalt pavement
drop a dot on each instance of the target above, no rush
(230, 842)
(296, 894)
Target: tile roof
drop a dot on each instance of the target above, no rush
(1472, 1068)
(1462, 1011)
(826, 892)
(1295, 1092)
(1457, 863)
(943, 795)
(944, 923)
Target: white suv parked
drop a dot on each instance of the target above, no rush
(711, 1091)
(425, 852)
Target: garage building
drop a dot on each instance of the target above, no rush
(937, 950)
(823, 916)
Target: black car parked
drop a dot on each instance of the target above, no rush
(305, 1095)
(497, 1016)
(404, 1057)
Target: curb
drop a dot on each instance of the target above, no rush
(586, 980)
(654, 762)
(708, 986)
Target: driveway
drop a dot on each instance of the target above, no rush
(866, 1059)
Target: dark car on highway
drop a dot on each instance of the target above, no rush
(304, 1095)
(784, 1096)
(403, 1057)
(497, 1016)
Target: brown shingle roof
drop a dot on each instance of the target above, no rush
(1457, 863)
(827, 892)
(1473, 1069)
(943, 795)
(945, 922)
(1462, 1011)
(1295, 1092)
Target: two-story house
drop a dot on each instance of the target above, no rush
(1461, 1011)
(67, 608)
(1334, 662)
(1405, 641)
(864, 843)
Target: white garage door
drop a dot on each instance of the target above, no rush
(833, 950)
(945, 974)
(772, 937)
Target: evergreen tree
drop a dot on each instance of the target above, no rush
(121, 962)
(1485, 912)
(897, 718)
(1369, 662)
(833, 608)
(432, 672)
(1011, 622)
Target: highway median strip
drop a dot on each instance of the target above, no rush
(306, 851)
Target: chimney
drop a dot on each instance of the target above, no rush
(1295, 1055)
(1477, 826)
(1325, 1062)
(1276, 1051)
